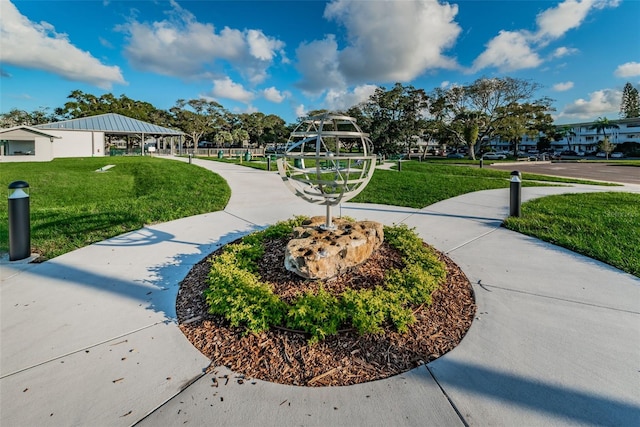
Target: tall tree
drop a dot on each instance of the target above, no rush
(264, 129)
(564, 132)
(275, 130)
(485, 103)
(16, 117)
(396, 117)
(222, 138)
(197, 117)
(529, 119)
(630, 105)
(240, 136)
(82, 104)
(602, 124)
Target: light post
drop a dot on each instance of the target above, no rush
(515, 191)
(19, 221)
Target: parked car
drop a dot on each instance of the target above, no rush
(617, 155)
(568, 153)
(455, 156)
(601, 154)
(493, 156)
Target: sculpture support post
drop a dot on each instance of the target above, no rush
(328, 225)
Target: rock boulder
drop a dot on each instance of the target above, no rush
(317, 253)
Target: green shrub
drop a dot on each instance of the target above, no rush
(370, 309)
(236, 292)
(414, 250)
(318, 314)
(239, 296)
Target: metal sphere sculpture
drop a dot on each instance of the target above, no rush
(327, 160)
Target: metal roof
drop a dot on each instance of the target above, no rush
(114, 123)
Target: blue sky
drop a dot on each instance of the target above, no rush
(290, 57)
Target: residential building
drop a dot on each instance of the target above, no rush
(580, 137)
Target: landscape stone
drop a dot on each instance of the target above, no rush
(317, 253)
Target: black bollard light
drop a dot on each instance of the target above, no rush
(269, 163)
(481, 162)
(19, 221)
(190, 156)
(515, 188)
(399, 165)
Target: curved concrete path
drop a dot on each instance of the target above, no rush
(90, 338)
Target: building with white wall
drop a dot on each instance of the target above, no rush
(580, 137)
(85, 137)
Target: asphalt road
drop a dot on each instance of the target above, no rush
(610, 172)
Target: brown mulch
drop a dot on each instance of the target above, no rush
(284, 356)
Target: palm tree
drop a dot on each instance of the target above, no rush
(602, 124)
(564, 132)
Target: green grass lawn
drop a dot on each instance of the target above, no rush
(603, 226)
(73, 206)
(421, 184)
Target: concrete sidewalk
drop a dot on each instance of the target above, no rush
(90, 337)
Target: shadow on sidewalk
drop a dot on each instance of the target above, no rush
(561, 402)
(157, 290)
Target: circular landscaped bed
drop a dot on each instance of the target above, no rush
(405, 306)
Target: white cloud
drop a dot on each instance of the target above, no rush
(552, 24)
(261, 46)
(445, 84)
(394, 41)
(301, 111)
(226, 88)
(343, 99)
(630, 69)
(274, 95)
(386, 41)
(556, 21)
(28, 44)
(600, 102)
(508, 51)
(318, 63)
(564, 51)
(183, 47)
(250, 109)
(561, 87)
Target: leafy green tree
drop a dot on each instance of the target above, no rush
(16, 117)
(395, 117)
(522, 119)
(198, 117)
(263, 129)
(485, 103)
(240, 136)
(469, 122)
(82, 104)
(630, 105)
(275, 130)
(222, 138)
(606, 146)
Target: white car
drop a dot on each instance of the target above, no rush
(493, 156)
(617, 155)
(601, 154)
